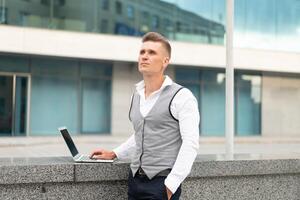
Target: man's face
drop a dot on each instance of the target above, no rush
(153, 58)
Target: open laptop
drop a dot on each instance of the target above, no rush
(76, 156)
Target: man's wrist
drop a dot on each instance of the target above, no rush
(113, 155)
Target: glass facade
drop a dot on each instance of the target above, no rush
(6, 99)
(267, 24)
(64, 92)
(78, 94)
(13, 104)
(21, 98)
(13, 95)
(193, 20)
(208, 86)
(248, 100)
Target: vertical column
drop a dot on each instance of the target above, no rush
(13, 106)
(229, 110)
(125, 76)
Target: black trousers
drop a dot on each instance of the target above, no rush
(142, 188)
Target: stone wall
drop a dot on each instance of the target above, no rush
(210, 178)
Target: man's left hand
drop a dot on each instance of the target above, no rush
(169, 193)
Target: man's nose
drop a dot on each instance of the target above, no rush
(145, 56)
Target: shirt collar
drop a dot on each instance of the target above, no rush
(140, 86)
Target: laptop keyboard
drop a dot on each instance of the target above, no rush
(85, 157)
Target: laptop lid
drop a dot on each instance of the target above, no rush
(69, 141)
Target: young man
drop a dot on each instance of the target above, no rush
(165, 118)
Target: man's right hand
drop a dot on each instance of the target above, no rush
(103, 154)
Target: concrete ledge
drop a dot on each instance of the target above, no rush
(36, 170)
(212, 177)
(101, 172)
(245, 167)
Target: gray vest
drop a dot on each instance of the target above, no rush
(157, 135)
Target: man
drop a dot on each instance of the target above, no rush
(165, 118)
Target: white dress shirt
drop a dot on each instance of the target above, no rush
(184, 107)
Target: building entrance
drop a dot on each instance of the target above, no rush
(14, 92)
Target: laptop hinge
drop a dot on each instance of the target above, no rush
(77, 157)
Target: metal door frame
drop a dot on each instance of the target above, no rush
(14, 75)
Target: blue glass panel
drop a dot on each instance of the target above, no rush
(96, 101)
(268, 24)
(6, 107)
(213, 104)
(209, 89)
(20, 106)
(248, 104)
(96, 96)
(188, 75)
(54, 96)
(194, 20)
(96, 69)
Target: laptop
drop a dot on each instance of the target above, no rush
(76, 156)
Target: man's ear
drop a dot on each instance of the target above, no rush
(166, 62)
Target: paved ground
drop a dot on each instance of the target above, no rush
(55, 146)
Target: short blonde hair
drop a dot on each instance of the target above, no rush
(157, 37)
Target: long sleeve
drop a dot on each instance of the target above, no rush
(125, 150)
(185, 108)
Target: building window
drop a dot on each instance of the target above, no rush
(168, 25)
(3, 15)
(178, 26)
(55, 2)
(118, 7)
(208, 86)
(247, 103)
(45, 2)
(130, 12)
(71, 93)
(96, 97)
(61, 2)
(104, 26)
(155, 22)
(24, 18)
(105, 4)
(2, 105)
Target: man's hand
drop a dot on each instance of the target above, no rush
(169, 193)
(103, 154)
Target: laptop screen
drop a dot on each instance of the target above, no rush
(69, 141)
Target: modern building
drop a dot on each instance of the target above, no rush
(73, 63)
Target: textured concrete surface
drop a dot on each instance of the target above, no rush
(102, 172)
(36, 170)
(212, 177)
(263, 187)
(64, 191)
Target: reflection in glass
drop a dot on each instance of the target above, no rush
(70, 93)
(212, 106)
(6, 108)
(268, 24)
(54, 96)
(20, 105)
(193, 20)
(248, 104)
(96, 106)
(96, 97)
(208, 86)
